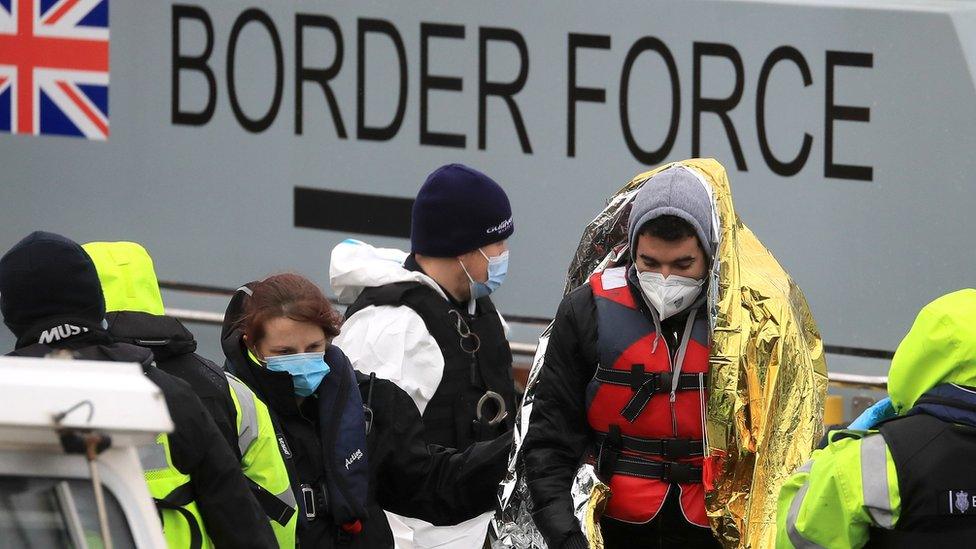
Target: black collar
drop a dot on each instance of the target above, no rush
(165, 336)
(411, 265)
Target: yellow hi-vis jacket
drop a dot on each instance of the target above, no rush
(262, 462)
(851, 486)
(129, 283)
(171, 490)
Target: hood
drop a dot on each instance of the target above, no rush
(165, 336)
(127, 276)
(274, 388)
(681, 192)
(44, 276)
(939, 348)
(356, 265)
(230, 332)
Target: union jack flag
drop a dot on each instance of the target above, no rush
(54, 67)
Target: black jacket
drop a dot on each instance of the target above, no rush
(173, 348)
(232, 516)
(406, 476)
(442, 486)
(559, 433)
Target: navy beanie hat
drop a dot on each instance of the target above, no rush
(457, 210)
(46, 275)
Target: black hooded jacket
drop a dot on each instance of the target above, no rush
(406, 476)
(232, 516)
(51, 299)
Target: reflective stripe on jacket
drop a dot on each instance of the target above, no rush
(837, 497)
(262, 462)
(171, 490)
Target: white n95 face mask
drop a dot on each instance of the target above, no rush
(669, 295)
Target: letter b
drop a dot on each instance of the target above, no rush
(182, 62)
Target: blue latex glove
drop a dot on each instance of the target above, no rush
(875, 414)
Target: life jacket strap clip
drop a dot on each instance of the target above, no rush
(308, 497)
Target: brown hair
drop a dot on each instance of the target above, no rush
(288, 295)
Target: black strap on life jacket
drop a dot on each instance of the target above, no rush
(175, 501)
(276, 509)
(368, 405)
(667, 471)
(612, 460)
(671, 448)
(646, 384)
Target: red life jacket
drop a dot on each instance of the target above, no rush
(648, 442)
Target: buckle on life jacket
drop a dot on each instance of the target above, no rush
(675, 448)
(655, 382)
(606, 459)
(647, 384)
(308, 498)
(665, 471)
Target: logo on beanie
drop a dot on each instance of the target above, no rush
(58, 333)
(501, 227)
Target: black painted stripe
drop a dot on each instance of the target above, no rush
(858, 351)
(352, 212)
(205, 289)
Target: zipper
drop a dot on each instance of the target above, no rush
(672, 396)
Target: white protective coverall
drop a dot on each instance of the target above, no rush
(394, 343)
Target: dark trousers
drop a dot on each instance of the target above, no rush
(668, 530)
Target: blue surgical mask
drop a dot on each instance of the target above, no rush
(497, 269)
(307, 370)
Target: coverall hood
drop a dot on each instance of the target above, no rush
(355, 266)
(127, 276)
(939, 348)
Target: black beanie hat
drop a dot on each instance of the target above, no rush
(46, 275)
(459, 209)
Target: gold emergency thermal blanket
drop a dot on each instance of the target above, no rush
(767, 384)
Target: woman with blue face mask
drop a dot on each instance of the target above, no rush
(353, 443)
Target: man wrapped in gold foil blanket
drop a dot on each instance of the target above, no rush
(681, 382)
